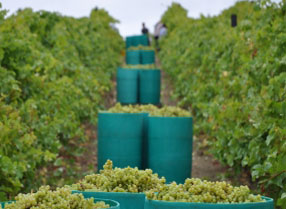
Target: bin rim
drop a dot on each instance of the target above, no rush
(148, 50)
(115, 193)
(133, 50)
(126, 69)
(120, 113)
(268, 200)
(150, 70)
(129, 69)
(106, 201)
(171, 117)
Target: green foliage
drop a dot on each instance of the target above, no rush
(54, 71)
(174, 15)
(234, 79)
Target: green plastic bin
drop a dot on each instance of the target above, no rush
(147, 57)
(170, 147)
(155, 204)
(140, 40)
(133, 57)
(145, 141)
(144, 40)
(128, 41)
(120, 139)
(126, 200)
(149, 86)
(137, 40)
(112, 203)
(127, 86)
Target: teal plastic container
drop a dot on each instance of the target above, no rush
(144, 40)
(136, 41)
(113, 204)
(126, 200)
(127, 86)
(128, 41)
(155, 204)
(140, 40)
(120, 139)
(170, 147)
(147, 57)
(149, 86)
(133, 57)
(145, 141)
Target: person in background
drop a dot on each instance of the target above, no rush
(159, 32)
(163, 31)
(144, 29)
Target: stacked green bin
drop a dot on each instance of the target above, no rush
(170, 147)
(147, 57)
(145, 141)
(149, 86)
(133, 57)
(127, 86)
(120, 139)
(137, 40)
(155, 204)
(137, 57)
(128, 42)
(144, 40)
(126, 200)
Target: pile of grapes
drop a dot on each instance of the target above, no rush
(140, 47)
(165, 111)
(120, 180)
(141, 67)
(197, 190)
(48, 199)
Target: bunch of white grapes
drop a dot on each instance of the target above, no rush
(165, 111)
(141, 47)
(48, 199)
(120, 180)
(170, 111)
(141, 67)
(197, 190)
